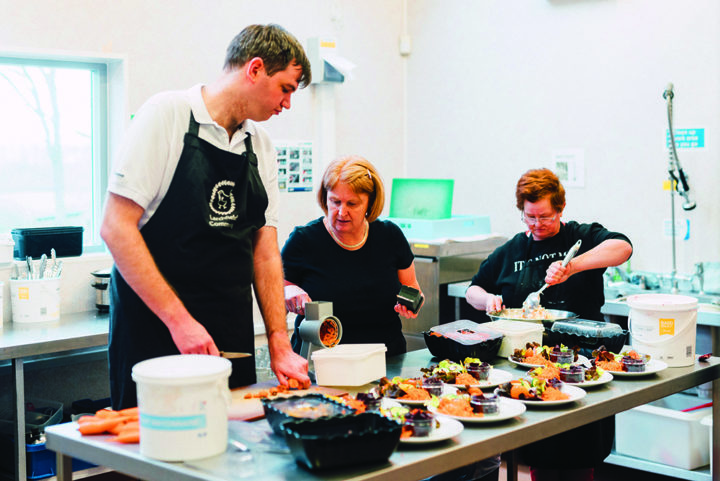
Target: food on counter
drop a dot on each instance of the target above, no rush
(123, 424)
(274, 391)
(533, 390)
(409, 389)
(626, 361)
(545, 372)
(572, 374)
(451, 372)
(484, 403)
(329, 332)
(538, 355)
(537, 313)
(456, 405)
(418, 423)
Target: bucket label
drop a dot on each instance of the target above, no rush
(667, 326)
(173, 423)
(24, 293)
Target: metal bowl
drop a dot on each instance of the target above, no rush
(516, 315)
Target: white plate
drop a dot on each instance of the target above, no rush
(605, 378)
(447, 389)
(447, 429)
(507, 409)
(496, 377)
(574, 392)
(653, 366)
(580, 360)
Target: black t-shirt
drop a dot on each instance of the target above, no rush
(518, 268)
(362, 284)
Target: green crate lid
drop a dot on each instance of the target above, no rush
(422, 198)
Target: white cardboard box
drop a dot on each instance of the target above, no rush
(349, 364)
(661, 432)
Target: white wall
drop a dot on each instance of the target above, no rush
(496, 86)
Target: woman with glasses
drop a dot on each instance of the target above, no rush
(528, 260)
(521, 266)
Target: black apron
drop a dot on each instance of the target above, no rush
(583, 447)
(201, 238)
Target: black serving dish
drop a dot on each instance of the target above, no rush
(587, 335)
(281, 409)
(461, 339)
(333, 442)
(36, 241)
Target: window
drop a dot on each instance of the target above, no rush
(53, 144)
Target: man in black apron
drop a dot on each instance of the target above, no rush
(182, 277)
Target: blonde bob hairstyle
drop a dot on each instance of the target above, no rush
(361, 176)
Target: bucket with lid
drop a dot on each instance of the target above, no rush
(183, 402)
(664, 326)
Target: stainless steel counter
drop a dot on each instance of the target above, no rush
(477, 441)
(19, 342)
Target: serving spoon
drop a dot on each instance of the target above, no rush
(533, 299)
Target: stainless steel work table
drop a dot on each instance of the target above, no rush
(477, 441)
(21, 341)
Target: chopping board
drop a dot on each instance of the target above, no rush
(251, 409)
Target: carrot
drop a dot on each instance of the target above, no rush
(98, 427)
(130, 423)
(107, 413)
(128, 436)
(129, 412)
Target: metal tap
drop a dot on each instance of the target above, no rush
(699, 274)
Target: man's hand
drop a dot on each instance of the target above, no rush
(285, 363)
(193, 338)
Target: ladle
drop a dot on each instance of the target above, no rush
(533, 299)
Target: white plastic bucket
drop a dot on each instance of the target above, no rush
(664, 326)
(183, 402)
(35, 300)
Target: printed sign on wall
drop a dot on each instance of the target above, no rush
(295, 165)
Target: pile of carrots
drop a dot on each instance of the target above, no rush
(124, 424)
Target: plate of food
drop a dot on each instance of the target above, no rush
(445, 428)
(495, 378)
(575, 374)
(506, 409)
(627, 363)
(651, 367)
(604, 378)
(541, 392)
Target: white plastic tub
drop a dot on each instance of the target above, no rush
(517, 334)
(661, 432)
(183, 401)
(349, 364)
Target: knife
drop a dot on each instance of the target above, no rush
(234, 355)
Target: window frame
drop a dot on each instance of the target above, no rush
(108, 81)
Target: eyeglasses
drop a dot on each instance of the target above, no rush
(537, 220)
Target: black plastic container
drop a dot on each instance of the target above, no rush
(460, 339)
(366, 438)
(282, 409)
(36, 241)
(587, 335)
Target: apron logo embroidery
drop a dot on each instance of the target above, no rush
(222, 203)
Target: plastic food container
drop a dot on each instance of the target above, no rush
(661, 432)
(485, 403)
(365, 438)
(311, 406)
(464, 338)
(587, 335)
(34, 242)
(349, 364)
(572, 374)
(516, 335)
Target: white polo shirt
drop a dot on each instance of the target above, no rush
(146, 163)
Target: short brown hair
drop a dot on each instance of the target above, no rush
(277, 47)
(539, 183)
(362, 177)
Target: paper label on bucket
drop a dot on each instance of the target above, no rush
(173, 423)
(667, 326)
(24, 293)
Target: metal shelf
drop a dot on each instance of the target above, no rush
(700, 474)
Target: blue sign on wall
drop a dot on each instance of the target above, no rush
(687, 138)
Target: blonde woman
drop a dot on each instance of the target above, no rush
(351, 258)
